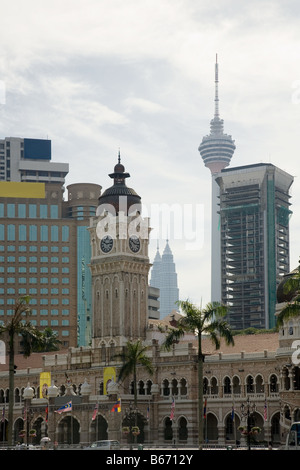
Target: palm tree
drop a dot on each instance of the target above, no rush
(133, 355)
(210, 321)
(18, 325)
(291, 290)
(46, 341)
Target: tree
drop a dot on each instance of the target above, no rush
(18, 326)
(209, 321)
(291, 290)
(46, 341)
(133, 355)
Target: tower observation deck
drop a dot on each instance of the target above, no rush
(217, 148)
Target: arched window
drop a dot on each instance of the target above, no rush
(183, 387)
(259, 385)
(214, 386)
(227, 385)
(250, 384)
(141, 388)
(273, 384)
(236, 385)
(174, 387)
(165, 388)
(148, 387)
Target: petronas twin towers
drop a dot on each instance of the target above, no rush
(164, 277)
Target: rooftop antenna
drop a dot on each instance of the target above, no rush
(216, 88)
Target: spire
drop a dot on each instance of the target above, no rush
(216, 88)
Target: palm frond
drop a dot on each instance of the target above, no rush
(291, 310)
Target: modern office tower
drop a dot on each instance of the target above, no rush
(255, 212)
(29, 160)
(44, 254)
(164, 277)
(216, 150)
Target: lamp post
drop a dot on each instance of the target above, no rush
(247, 411)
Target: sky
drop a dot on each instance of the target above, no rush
(99, 76)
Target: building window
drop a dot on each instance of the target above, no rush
(32, 211)
(22, 233)
(32, 233)
(44, 233)
(65, 233)
(11, 235)
(54, 212)
(22, 211)
(10, 210)
(54, 233)
(43, 211)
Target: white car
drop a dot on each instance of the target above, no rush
(104, 445)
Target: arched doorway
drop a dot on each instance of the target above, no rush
(99, 429)
(132, 419)
(182, 429)
(68, 431)
(168, 431)
(3, 430)
(211, 428)
(275, 428)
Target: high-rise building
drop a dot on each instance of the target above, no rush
(45, 254)
(29, 160)
(254, 216)
(164, 277)
(216, 150)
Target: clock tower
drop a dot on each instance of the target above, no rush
(119, 264)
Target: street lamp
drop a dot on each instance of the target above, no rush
(247, 411)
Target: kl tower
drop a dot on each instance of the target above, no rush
(216, 150)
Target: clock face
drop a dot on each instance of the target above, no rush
(134, 243)
(106, 244)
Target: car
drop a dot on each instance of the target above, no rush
(104, 445)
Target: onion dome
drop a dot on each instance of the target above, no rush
(119, 197)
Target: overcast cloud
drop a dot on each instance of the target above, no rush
(98, 75)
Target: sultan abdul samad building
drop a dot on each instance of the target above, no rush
(259, 368)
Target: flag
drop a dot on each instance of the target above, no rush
(95, 412)
(204, 410)
(66, 407)
(117, 406)
(232, 413)
(46, 411)
(172, 409)
(265, 411)
(3, 414)
(148, 413)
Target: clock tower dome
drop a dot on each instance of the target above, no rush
(119, 265)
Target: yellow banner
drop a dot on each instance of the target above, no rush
(22, 189)
(45, 382)
(109, 375)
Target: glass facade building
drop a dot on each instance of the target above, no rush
(254, 241)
